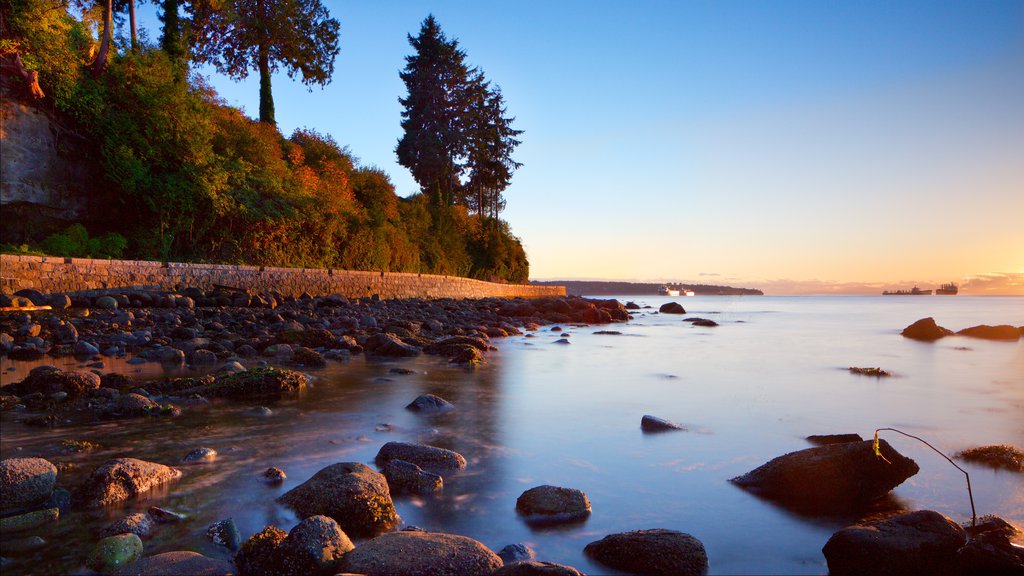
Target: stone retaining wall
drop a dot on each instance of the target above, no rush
(49, 274)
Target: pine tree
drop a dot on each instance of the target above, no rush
(492, 140)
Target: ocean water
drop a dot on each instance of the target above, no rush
(773, 372)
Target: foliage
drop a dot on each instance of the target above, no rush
(75, 242)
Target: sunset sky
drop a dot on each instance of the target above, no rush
(791, 146)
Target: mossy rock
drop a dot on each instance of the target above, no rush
(270, 383)
(311, 338)
(261, 554)
(114, 552)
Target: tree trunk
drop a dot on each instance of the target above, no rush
(266, 96)
(108, 29)
(31, 77)
(135, 28)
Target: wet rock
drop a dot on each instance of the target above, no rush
(261, 554)
(454, 345)
(656, 552)
(59, 301)
(273, 476)
(129, 405)
(114, 552)
(467, 356)
(165, 516)
(200, 455)
(122, 478)
(1004, 332)
(35, 297)
(922, 542)
(172, 356)
(654, 424)
(67, 333)
(990, 550)
(415, 553)
(29, 520)
(281, 352)
(535, 568)
(225, 533)
(824, 439)
(876, 372)
(310, 338)
(925, 329)
(562, 341)
(405, 476)
(552, 504)
(315, 547)
(25, 482)
(516, 553)
(430, 404)
(672, 308)
(308, 358)
(834, 476)
(1003, 457)
(139, 524)
(430, 458)
(388, 345)
(48, 380)
(60, 499)
(202, 357)
(353, 494)
(263, 382)
(231, 367)
(105, 303)
(181, 563)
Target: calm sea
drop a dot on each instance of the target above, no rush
(772, 372)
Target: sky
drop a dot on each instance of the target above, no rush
(797, 147)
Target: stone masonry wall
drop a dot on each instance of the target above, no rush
(49, 275)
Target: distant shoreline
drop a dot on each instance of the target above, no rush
(613, 288)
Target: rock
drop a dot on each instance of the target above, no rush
(467, 355)
(59, 499)
(84, 349)
(130, 404)
(705, 322)
(405, 476)
(231, 367)
(430, 404)
(59, 301)
(29, 520)
(67, 333)
(388, 345)
(23, 545)
(178, 564)
(273, 475)
(25, 482)
(654, 552)
(172, 356)
(200, 455)
(261, 554)
(309, 358)
(824, 439)
(1000, 457)
(201, 357)
(139, 524)
(925, 329)
(164, 516)
(430, 458)
(225, 533)
(830, 477)
(263, 382)
(122, 478)
(351, 493)
(552, 504)
(516, 553)
(48, 380)
(106, 303)
(990, 550)
(35, 297)
(113, 552)
(1004, 332)
(315, 546)
(922, 542)
(416, 553)
(534, 568)
(672, 308)
(654, 424)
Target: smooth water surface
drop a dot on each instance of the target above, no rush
(773, 372)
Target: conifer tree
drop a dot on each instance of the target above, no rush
(492, 139)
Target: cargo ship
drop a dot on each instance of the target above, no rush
(915, 291)
(950, 289)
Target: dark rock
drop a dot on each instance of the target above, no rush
(48, 380)
(534, 568)
(1004, 332)
(315, 546)
(467, 356)
(654, 424)
(181, 563)
(130, 405)
(164, 516)
(225, 533)
(67, 333)
(310, 338)
(632, 306)
(990, 550)
(834, 476)
(172, 356)
(454, 345)
(430, 404)
(388, 345)
(552, 504)
(202, 357)
(139, 524)
(273, 475)
(60, 499)
(925, 329)
(351, 493)
(106, 303)
(430, 458)
(923, 542)
(562, 341)
(405, 476)
(200, 455)
(608, 333)
(20, 546)
(36, 297)
(655, 552)
(308, 358)
(122, 478)
(824, 439)
(25, 482)
(706, 323)
(672, 308)
(416, 553)
(516, 553)
(1001, 457)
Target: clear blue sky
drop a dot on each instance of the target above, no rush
(793, 145)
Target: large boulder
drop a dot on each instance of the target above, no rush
(925, 329)
(388, 345)
(550, 504)
(535, 568)
(430, 458)
(672, 308)
(417, 553)
(922, 542)
(352, 493)
(656, 552)
(25, 482)
(178, 564)
(834, 476)
(1003, 332)
(122, 478)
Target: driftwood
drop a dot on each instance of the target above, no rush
(24, 308)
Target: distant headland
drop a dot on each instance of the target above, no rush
(604, 288)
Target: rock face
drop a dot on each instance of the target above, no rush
(923, 542)
(534, 568)
(834, 476)
(25, 482)
(353, 494)
(430, 404)
(405, 476)
(430, 458)
(549, 504)
(123, 478)
(672, 308)
(925, 329)
(178, 564)
(654, 424)
(416, 553)
(1004, 332)
(657, 552)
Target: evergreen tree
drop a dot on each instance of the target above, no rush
(170, 36)
(491, 143)
(240, 35)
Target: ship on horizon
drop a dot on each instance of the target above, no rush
(950, 289)
(915, 291)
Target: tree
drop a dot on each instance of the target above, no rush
(434, 140)
(237, 36)
(491, 142)
(170, 37)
